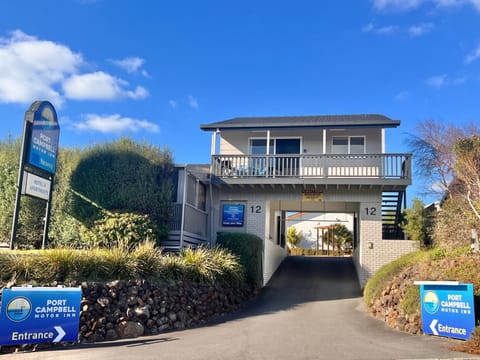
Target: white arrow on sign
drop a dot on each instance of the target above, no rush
(61, 334)
(432, 326)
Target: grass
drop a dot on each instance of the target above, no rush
(145, 261)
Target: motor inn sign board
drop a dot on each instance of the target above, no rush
(43, 142)
(36, 186)
(447, 308)
(31, 315)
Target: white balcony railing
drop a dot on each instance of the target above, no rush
(384, 166)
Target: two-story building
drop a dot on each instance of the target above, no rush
(261, 168)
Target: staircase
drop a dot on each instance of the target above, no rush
(392, 205)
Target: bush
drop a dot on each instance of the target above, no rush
(249, 248)
(119, 263)
(120, 229)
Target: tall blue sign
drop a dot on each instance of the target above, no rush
(37, 315)
(447, 310)
(43, 146)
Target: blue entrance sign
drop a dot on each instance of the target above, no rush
(447, 309)
(37, 315)
(233, 214)
(44, 137)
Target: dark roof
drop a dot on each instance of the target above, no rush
(318, 121)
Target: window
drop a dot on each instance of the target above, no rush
(348, 145)
(196, 193)
(278, 146)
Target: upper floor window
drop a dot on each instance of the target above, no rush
(348, 145)
(278, 146)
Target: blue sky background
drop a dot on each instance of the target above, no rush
(156, 70)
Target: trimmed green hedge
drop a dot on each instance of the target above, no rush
(249, 249)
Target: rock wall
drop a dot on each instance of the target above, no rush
(388, 309)
(125, 309)
(128, 309)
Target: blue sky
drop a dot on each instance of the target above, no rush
(156, 70)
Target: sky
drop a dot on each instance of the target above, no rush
(154, 70)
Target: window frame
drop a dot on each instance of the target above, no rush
(349, 144)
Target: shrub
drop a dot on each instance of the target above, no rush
(249, 248)
(145, 261)
(120, 229)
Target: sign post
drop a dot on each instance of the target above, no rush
(39, 154)
(38, 315)
(447, 308)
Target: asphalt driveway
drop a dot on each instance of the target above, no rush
(312, 309)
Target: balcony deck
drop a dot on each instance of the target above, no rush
(361, 169)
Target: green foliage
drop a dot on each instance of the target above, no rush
(145, 261)
(418, 223)
(342, 237)
(411, 300)
(114, 230)
(32, 211)
(293, 237)
(122, 175)
(453, 224)
(248, 247)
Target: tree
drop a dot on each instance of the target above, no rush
(417, 223)
(467, 167)
(341, 236)
(293, 237)
(432, 147)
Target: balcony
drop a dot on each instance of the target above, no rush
(381, 169)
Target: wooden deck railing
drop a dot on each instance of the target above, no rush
(386, 166)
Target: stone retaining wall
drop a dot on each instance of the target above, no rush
(128, 309)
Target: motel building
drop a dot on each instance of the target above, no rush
(262, 169)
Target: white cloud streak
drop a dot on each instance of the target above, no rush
(437, 81)
(192, 102)
(115, 123)
(474, 55)
(33, 69)
(381, 30)
(420, 29)
(408, 5)
(131, 65)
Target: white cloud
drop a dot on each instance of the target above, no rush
(115, 124)
(396, 5)
(100, 86)
(406, 5)
(382, 30)
(402, 96)
(192, 102)
(474, 55)
(173, 104)
(32, 69)
(437, 81)
(131, 65)
(420, 29)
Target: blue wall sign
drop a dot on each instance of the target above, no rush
(44, 136)
(447, 310)
(37, 315)
(233, 214)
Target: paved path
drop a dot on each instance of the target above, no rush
(312, 309)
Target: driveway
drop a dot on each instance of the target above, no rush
(311, 309)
